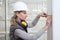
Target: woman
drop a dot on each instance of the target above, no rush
(18, 28)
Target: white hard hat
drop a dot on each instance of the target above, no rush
(18, 6)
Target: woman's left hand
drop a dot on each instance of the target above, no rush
(42, 14)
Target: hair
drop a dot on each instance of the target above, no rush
(13, 18)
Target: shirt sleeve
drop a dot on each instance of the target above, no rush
(26, 36)
(33, 23)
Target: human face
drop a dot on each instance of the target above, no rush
(22, 15)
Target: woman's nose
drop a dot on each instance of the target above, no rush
(26, 15)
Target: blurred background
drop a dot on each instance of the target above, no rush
(35, 7)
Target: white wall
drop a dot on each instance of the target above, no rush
(56, 20)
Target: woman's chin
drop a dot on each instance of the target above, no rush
(22, 19)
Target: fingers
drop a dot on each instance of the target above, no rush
(49, 20)
(43, 14)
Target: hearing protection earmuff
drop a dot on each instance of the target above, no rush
(23, 23)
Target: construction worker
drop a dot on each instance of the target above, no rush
(18, 28)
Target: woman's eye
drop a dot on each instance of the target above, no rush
(24, 12)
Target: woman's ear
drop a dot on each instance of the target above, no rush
(17, 14)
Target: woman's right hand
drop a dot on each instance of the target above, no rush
(48, 22)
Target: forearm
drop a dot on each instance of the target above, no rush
(26, 36)
(39, 33)
(34, 22)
